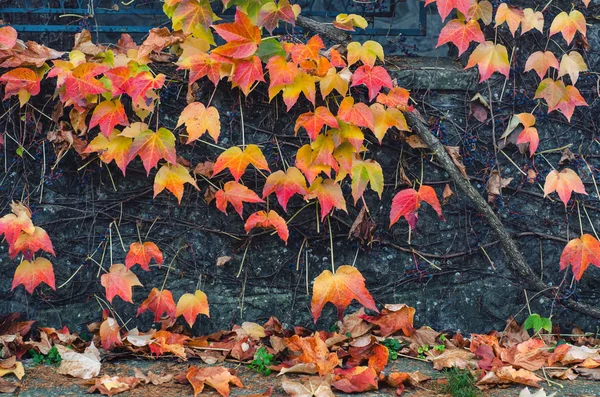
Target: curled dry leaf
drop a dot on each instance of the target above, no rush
(308, 387)
(222, 260)
(216, 377)
(508, 375)
(84, 365)
(540, 393)
(495, 185)
(454, 153)
(454, 358)
(112, 385)
(12, 366)
(153, 378)
(393, 318)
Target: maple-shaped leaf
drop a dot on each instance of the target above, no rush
(336, 58)
(313, 122)
(138, 87)
(116, 147)
(8, 37)
(285, 185)
(169, 342)
(107, 115)
(117, 76)
(242, 37)
(29, 244)
(407, 202)
(363, 173)
(237, 161)
(481, 10)
(329, 194)
(511, 15)
(335, 80)
(373, 77)
(489, 58)
(303, 83)
(22, 82)
(308, 386)
(110, 335)
(31, 274)
(309, 51)
(246, 73)
(358, 114)
(446, 6)
(532, 20)
(268, 220)
(191, 305)
(573, 99)
(153, 146)
(119, 281)
(199, 119)
(529, 135)
(563, 183)
(350, 21)
(188, 14)
(367, 52)
(580, 253)
(218, 378)
(236, 194)
(11, 225)
(397, 97)
(142, 254)
(386, 119)
(270, 14)
(561, 97)
(173, 177)
(201, 65)
(541, 61)
(356, 379)
(461, 34)
(394, 318)
(158, 302)
(81, 82)
(340, 289)
(305, 163)
(571, 64)
(568, 25)
(281, 72)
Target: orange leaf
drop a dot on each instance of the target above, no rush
(142, 254)
(461, 34)
(580, 253)
(242, 37)
(81, 83)
(313, 122)
(373, 77)
(31, 274)
(110, 335)
(237, 160)
(340, 289)
(358, 114)
(22, 82)
(285, 185)
(356, 379)
(511, 15)
(216, 377)
(8, 37)
(154, 146)
(563, 183)
(308, 51)
(529, 135)
(335, 80)
(408, 201)
(314, 352)
(107, 115)
(173, 177)
(568, 25)
(270, 220)
(445, 6)
(246, 73)
(541, 61)
(29, 244)
(168, 342)
(281, 72)
(270, 14)
(384, 119)
(199, 119)
(303, 83)
(532, 20)
(116, 147)
(304, 162)
(191, 305)
(200, 65)
(11, 225)
(397, 97)
(489, 58)
(158, 302)
(330, 196)
(394, 318)
(119, 282)
(236, 194)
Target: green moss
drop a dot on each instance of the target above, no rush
(461, 383)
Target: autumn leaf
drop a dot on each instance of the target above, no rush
(373, 77)
(236, 194)
(563, 183)
(532, 20)
(242, 37)
(29, 244)
(329, 194)
(541, 61)
(281, 72)
(173, 177)
(308, 387)
(199, 119)
(11, 225)
(268, 220)
(356, 379)
(394, 318)
(237, 160)
(309, 51)
(358, 114)
(107, 115)
(81, 82)
(313, 122)
(153, 146)
(22, 82)
(119, 281)
(110, 335)
(285, 185)
(159, 302)
(116, 147)
(190, 13)
(270, 14)
(201, 65)
(335, 80)
(169, 342)
(31, 274)
(142, 254)
(218, 378)
(489, 58)
(139, 85)
(8, 37)
(247, 72)
(397, 97)
(571, 64)
(511, 15)
(406, 203)
(363, 173)
(367, 52)
(580, 253)
(191, 305)
(568, 25)
(461, 34)
(529, 135)
(446, 6)
(384, 119)
(303, 83)
(113, 385)
(84, 365)
(481, 10)
(340, 289)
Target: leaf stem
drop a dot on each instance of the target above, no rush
(331, 244)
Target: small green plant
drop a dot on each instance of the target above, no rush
(422, 350)
(394, 346)
(439, 348)
(461, 383)
(538, 323)
(262, 361)
(52, 358)
(334, 328)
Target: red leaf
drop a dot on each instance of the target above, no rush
(373, 77)
(580, 253)
(313, 122)
(461, 34)
(268, 220)
(142, 254)
(107, 115)
(236, 194)
(158, 302)
(32, 274)
(242, 37)
(563, 183)
(29, 244)
(408, 201)
(285, 185)
(119, 282)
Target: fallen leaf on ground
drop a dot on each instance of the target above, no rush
(216, 377)
(111, 385)
(84, 365)
(308, 386)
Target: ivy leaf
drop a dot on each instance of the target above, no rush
(22, 82)
(142, 253)
(11, 225)
(268, 220)
(137, 87)
(173, 177)
(573, 99)
(580, 253)
(303, 83)
(216, 377)
(397, 97)
(538, 323)
(246, 73)
(481, 10)
(385, 119)
(349, 22)
(541, 61)
(335, 80)
(8, 37)
(340, 289)
(511, 15)
(199, 119)
(242, 37)
(237, 161)
(29, 244)
(367, 52)
(304, 162)
(158, 302)
(407, 202)
(529, 135)
(313, 122)
(201, 65)
(31, 274)
(571, 64)
(461, 34)
(116, 147)
(489, 58)
(191, 305)
(107, 115)
(153, 146)
(329, 194)
(568, 25)
(394, 318)
(269, 48)
(358, 114)
(270, 14)
(190, 13)
(363, 173)
(374, 78)
(563, 183)
(81, 83)
(532, 20)
(119, 282)
(281, 72)
(309, 51)
(236, 194)
(445, 6)
(110, 334)
(285, 185)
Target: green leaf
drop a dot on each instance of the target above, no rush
(269, 48)
(20, 150)
(537, 323)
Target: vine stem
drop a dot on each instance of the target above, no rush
(171, 265)
(331, 244)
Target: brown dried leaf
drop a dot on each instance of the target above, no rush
(454, 153)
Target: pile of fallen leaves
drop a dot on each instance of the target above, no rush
(352, 358)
